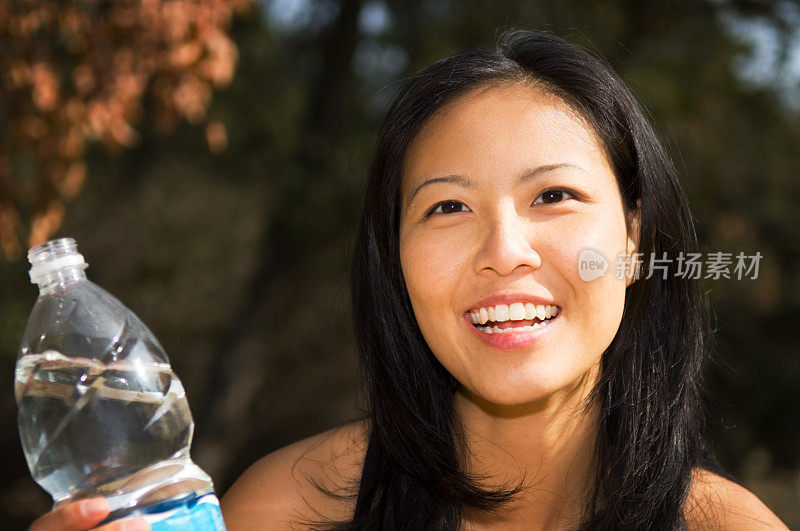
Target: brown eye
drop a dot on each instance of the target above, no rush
(447, 207)
(552, 196)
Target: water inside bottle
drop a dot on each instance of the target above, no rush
(120, 429)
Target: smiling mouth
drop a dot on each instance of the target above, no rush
(514, 326)
(520, 325)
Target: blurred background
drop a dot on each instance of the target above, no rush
(209, 158)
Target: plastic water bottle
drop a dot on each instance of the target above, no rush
(100, 411)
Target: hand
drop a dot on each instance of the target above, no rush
(83, 515)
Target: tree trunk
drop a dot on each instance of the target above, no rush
(243, 355)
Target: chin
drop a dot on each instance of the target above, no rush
(508, 395)
(534, 391)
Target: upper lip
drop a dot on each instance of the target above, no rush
(509, 298)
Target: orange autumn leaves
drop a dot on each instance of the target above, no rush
(73, 72)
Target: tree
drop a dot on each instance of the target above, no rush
(72, 72)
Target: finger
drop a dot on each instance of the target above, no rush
(127, 524)
(76, 516)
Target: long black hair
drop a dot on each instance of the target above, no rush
(651, 421)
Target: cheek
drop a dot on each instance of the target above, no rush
(602, 232)
(597, 303)
(432, 265)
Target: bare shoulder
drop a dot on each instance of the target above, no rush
(715, 502)
(278, 491)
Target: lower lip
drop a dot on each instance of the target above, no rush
(514, 340)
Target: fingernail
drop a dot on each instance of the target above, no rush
(94, 508)
(134, 525)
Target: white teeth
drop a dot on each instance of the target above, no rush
(517, 311)
(514, 312)
(501, 313)
(530, 310)
(497, 330)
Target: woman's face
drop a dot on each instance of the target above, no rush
(526, 187)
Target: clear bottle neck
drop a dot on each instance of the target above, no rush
(56, 264)
(59, 280)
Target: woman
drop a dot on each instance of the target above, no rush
(507, 389)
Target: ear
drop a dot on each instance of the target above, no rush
(634, 222)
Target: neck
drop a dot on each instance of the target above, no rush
(549, 443)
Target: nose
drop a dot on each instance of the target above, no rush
(507, 243)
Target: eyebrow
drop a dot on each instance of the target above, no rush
(466, 182)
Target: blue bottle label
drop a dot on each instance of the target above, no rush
(201, 514)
